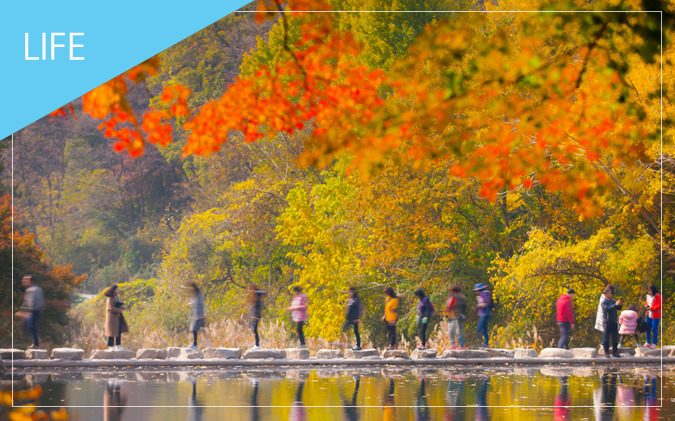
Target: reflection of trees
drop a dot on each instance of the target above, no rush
(351, 410)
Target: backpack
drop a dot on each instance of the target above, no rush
(642, 325)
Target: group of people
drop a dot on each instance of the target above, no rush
(611, 323)
(455, 308)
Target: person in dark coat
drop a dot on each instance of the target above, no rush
(255, 311)
(610, 320)
(198, 316)
(353, 315)
(424, 312)
(33, 304)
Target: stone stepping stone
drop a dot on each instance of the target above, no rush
(584, 352)
(222, 353)
(466, 353)
(329, 354)
(395, 353)
(151, 354)
(297, 353)
(557, 371)
(277, 354)
(8, 354)
(500, 352)
(104, 354)
(556, 353)
(37, 354)
(67, 353)
(186, 354)
(623, 350)
(357, 355)
(423, 353)
(525, 353)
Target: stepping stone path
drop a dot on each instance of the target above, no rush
(423, 353)
(297, 353)
(67, 354)
(498, 352)
(525, 353)
(395, 353)
(329, 354)
(584, 352)
(556, 353)
(222, 353)
(466, 353)
(8, 354)
(104, 354)
(357, 355)
(151, 354)
(276, 354)
(623, 350)
(185, 354)
(37, 354)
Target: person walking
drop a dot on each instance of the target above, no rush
(655, 317)
(255, 311)
(599, 323)
(484, 305)
(648, 317)
(198, 316)
(628, 324)
(391, 315)
(424, 312)
(610, 319)
(115, 324)
(298, 309)
(565, 318)
(33, 304)
(353, 315)
(455, 307)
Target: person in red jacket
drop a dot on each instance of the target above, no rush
(565, 318)
(655, 311)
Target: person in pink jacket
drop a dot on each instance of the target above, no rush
(628, 321)
(298, 309)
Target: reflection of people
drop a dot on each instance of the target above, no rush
(651, 405)
(351, 410)
(198, 315)
(33, 303)
(454, 400)
(625, 400)
(482, 413)
(195, 409)
(255, 414)
(115, 324)
(255, 303)
(389, 410)
(562, 402)
(353, 315)
(298, 411)
(421, 409)
(606, 400)
(114, 401)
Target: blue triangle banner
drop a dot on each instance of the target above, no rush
(53, 52)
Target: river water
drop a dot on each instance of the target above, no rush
(644, 393)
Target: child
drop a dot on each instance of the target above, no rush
(628, 321)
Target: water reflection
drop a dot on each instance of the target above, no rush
(115, 399)
(390, 394)
(351, 410)
(454, 399)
